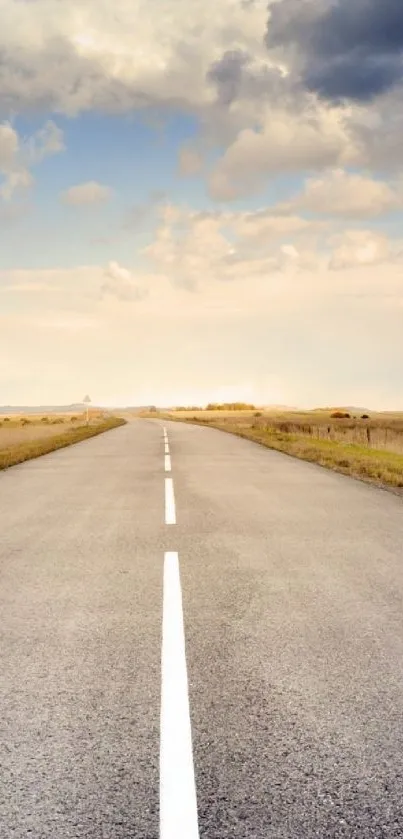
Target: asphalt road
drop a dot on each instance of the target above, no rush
(292, 587)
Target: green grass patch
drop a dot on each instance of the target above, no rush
(377, 465)
(28, 450)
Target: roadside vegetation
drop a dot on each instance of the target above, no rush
(24, 438)
(369, 447)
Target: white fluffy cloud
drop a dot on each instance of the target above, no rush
(262, 226)
(72, 57)
(193, 249)
(286, 143)
(14, 180)
(13, 172)
(349, 195)
(360, 248)
(9, 145)
(18, 155)
(121, 283)
(47, 141)
(86, 194)
(77, 290)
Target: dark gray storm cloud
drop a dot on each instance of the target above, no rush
(350, 49)
(227, 74)
(235, 78)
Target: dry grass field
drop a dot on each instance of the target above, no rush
(26, 437)
(370, 449)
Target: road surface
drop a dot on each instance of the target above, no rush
(285, 719)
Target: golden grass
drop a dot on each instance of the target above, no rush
(19, 451)
(13, 435)
(21, 428)
(314, 443)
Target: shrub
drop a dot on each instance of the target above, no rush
(365, 416)
(45, 419)
(6, 419)
(74, 419)
(258, 414)
(340, 415)
(25, 421)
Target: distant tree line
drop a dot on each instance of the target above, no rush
(218, 406)
(230, 406)
(188, 408)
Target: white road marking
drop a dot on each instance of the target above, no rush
(167, 463)
(166, 448)
(178, 803)
(170, 512)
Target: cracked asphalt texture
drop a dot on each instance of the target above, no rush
(292, 580)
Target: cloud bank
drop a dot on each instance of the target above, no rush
(347, 50)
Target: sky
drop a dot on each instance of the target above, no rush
(201, 202)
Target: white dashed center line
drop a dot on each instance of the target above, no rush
(178, 804)
(170, 512)
(168, 466)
